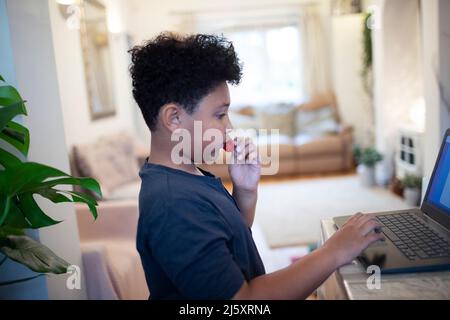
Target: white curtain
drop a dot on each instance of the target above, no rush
(314, 44)
(233, 18)
(316, 67)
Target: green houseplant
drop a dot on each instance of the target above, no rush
(366, 158)
(412, 185)
(367, 77)
(366, 72)
(20, 180)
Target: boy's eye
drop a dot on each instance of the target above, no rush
(220, 116)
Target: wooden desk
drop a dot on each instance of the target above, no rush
(350, 281)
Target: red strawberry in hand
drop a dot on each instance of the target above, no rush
(228, 146)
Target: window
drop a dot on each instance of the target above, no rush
(272, 66)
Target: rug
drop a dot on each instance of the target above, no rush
(289, 212)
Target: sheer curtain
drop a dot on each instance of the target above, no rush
(314, 67)
(317, 78)
(272, 66)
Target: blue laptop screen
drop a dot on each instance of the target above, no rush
(439, 193)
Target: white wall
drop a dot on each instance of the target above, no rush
(398, 75)
(347, 51)
(78, 126)
(35, 71)
(436, 61)
(444, 64)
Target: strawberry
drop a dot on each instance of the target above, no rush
(228, 146)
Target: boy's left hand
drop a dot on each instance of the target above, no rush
(245, 171)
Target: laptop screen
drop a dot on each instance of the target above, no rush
(439, 192)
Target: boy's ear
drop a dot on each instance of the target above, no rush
(170, 115)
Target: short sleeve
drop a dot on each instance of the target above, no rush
(190, 245)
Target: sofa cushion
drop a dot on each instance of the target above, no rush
(306, 144)
(316, 121)
(125, 277)
(126, 272)
(111, 161)
(279, 116)
(126, 191)
(284, 143)
(269, 151)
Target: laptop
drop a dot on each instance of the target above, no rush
(416, 239)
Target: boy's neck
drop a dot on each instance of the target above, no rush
(160, 153)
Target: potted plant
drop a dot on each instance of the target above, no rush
(366, 158)
(412, 185)
(20, 180)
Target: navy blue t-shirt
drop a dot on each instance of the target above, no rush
(192, 238)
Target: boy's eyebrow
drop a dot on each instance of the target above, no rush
(224, 105)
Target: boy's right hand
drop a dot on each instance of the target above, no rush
(353, 238)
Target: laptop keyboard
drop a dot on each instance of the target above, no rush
(413, 237)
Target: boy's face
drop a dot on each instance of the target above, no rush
(212, 111)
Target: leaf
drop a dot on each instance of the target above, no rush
(86, 183)
(36, 217)
(29, 175)
(9, 96)
(32, 254)
(8, 231)
(8, 160)
(2, 202)
(53, 195)
(16, 135)
(16, 218)
(84, 198)
(5, 205)
(1, 78)
(80, 195)
(56, 197)
(25, 179)
(8, 113)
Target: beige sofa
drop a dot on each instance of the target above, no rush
(112, 266)
(113, 160)
(313, 138)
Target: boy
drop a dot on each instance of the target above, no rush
(194, 238)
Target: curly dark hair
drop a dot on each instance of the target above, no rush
(180, 69)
